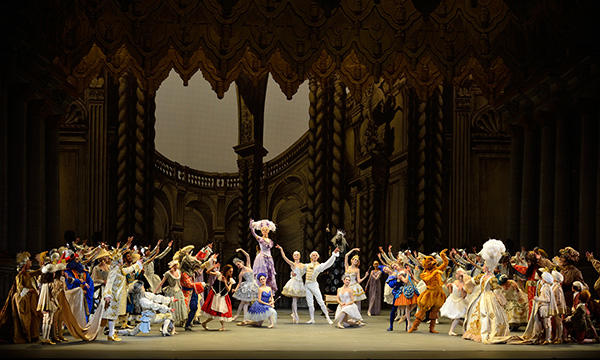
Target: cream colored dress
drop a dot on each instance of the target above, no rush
(486, 320)
(116, 289)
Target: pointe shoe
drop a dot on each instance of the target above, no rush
(270, 326)
(330, 321)
(113, 338)
(311, 321)
(339, 325)
(368, 313)
(204, 325)
(234, 318)
(452, 333)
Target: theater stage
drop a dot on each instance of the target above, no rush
(299, 341)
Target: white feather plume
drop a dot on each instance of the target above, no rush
(491, 252)
(258, 225)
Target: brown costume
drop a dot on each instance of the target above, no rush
(432, 299)
(19, 318)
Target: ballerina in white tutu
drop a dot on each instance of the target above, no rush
(353, 271)
(455, 306)
(294, 288)
(347, 312)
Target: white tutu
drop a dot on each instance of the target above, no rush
(294, 288)
(455, 306)
(350, 310)
(357, 290)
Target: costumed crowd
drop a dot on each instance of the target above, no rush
(485, 295)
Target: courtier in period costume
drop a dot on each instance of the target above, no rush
(19, 318)
(115, 292)
(486, 320)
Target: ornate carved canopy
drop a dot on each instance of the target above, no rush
(496, 43)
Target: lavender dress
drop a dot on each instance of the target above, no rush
(263, 263)
(374, 290)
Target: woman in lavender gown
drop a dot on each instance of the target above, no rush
(373, 289)
(263, 263)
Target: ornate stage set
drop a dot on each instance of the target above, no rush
(433, 124)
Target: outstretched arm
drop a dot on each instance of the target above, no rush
(248, 262)
(165, 251)
(290, 263)
(327, 264)
(444, 260)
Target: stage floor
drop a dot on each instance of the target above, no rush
(300, 341)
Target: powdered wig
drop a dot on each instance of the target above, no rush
(492, 252)
(258, 225)
(22, 259)
(547, 277)
(314, 253)
(346, 276)
(558, 276)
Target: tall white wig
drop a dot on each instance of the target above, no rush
(492, 252)
(258, 225)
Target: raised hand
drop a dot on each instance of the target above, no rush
(277, 246)
(589, 255)
(337, 250)
(170, 243)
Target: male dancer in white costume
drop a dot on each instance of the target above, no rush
(312, 286)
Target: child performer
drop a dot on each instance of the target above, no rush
(455, 306)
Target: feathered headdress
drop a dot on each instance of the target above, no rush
(258, 225)
(492, 252)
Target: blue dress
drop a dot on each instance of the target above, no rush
(260, 312)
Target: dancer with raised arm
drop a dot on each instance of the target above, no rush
(246, 290)
(263, 262)
(432, 299)
(313, 269)
(294, 288)
(218, 304)
(355, 279)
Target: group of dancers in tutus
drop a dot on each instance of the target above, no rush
(115, 290)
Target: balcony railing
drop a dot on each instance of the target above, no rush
(211, 180)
